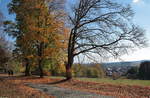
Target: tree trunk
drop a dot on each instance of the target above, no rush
(68, 68)
(40, 53)
(41, 69)
(27, 71)
(68, 72)
(71, 45)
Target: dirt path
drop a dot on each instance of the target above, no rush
(64, 92)
(50, 87)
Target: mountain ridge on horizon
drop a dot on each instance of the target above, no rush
(117, 64)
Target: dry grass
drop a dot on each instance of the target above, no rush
(121, 91)
(14, 88)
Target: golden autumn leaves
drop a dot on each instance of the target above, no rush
(42, 33)
(42, 26)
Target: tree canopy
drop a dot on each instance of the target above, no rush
(39, 31)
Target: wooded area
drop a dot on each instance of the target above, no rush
(48, 37)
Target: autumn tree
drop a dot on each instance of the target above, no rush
(48, 29)
(17, 30)
(40, 30)
(101, 27)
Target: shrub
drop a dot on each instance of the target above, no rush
(133, 73)
(115, 76)
(133, 70)
(46, 73)
(93, 71)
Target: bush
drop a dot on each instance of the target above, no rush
(115, 76)
(46, 73)
(133, 70)
(133, 73)
(94, 71)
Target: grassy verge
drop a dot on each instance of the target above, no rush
(118, 81)
(114, 82)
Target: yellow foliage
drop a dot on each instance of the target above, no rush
(39, 24)
(30, 56)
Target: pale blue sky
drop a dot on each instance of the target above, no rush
(141, 18)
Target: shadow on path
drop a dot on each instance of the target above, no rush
(22, 77)
(58, 82)
(19, 77)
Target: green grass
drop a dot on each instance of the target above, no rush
(115, 82)
(118, 81)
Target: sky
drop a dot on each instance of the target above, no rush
(141, 18)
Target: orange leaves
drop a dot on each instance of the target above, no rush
(49, 51)
(38, 23)
(14, 87)
(30, 56)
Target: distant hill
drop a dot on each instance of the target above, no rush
(117, 64)
(120, 67)
(121, 64)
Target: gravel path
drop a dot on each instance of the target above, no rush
(64, 92)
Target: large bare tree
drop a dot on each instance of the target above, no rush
(102, 27)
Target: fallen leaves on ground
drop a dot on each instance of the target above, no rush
(12, 87)
(120, 91)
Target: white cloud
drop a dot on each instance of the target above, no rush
(142, 54)
(136, 1)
